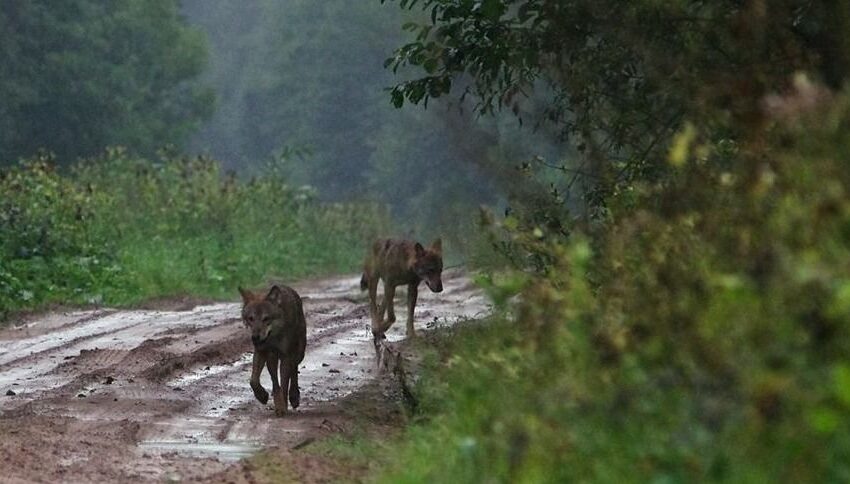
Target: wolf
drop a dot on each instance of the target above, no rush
(279, 334)
(399, 262)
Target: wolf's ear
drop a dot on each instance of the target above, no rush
(247, 296)
(437, 246)
(420, 251)
(275, 295)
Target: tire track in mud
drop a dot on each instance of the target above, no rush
(149, 395)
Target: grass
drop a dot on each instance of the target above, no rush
(459, 394)
(119, 230)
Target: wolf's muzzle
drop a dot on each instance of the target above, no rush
(434, 286)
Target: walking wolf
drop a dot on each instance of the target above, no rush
(400, 262)
(279, 333)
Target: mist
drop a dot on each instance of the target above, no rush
(307, 79)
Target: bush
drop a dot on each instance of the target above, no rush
(703, 335)
(119, 229)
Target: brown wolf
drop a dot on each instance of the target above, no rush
(399, 262)
(279, 333)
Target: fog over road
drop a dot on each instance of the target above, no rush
(147, 394)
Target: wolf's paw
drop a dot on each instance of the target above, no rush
(280, 411)
(262, 395)
(294, 397)
(377, 337)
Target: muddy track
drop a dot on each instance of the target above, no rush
(138, 395)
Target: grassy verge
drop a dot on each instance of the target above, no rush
(477, 396)
(119, 230)
(492, 410)
(470, 389)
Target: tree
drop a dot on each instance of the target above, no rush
(79, 75)
(621, 76)
(308, 74)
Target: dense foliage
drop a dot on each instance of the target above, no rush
(695, 325)
(79, 75)
(619, 78)
(704, 337)
(119, 229)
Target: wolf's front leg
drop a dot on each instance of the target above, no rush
(288, 374)
(294, 391)
(412, 294)
(257, 368)
(375, 311)
(277, 391)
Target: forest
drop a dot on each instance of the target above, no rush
(654, 196)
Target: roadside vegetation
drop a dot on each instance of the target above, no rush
(689, 320)
(120, 229)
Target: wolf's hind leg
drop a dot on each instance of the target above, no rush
(389, 296)
(375, 311)
(257, 368)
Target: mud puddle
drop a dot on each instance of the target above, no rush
(223, 451)
(152, 395)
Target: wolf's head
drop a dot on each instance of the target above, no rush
(428, 265)
(259, 313)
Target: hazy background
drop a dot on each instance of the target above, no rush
(309, 76)
(294, 83)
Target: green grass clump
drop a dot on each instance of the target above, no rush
(118, 229)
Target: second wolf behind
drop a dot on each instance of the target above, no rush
(279, 334)
(399, 262)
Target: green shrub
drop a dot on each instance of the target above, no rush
(703, 335)
(119, 229)
(48, 244)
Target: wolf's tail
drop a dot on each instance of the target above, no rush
(364, 282)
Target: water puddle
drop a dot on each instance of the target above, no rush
(227, 451)
(199, 437)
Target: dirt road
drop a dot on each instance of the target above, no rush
(142, 395)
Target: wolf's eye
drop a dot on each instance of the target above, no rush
(266, 319)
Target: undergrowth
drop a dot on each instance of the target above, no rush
(700, 335)
(118, 230)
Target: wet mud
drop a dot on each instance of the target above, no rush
(152, 395)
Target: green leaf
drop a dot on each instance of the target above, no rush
(841, 383)
(397, 98)
(492, 9)
(823, 419)
(680, 149)
(430, 65)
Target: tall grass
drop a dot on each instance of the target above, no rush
(119, 229)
